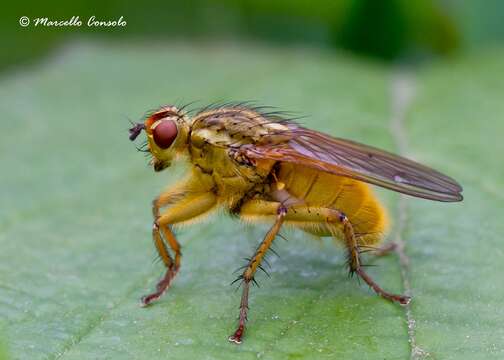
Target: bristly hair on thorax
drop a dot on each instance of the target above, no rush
(266, 111)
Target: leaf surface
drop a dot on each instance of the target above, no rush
(75, 217)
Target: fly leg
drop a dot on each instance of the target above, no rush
(355, 262)
(251, 268)
(386, 249)
(187, 208)
(302, 216)
(335, 221)
(172, 266)
(164, 199)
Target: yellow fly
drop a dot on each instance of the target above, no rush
(263, 167)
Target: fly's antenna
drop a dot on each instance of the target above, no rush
(135, 130)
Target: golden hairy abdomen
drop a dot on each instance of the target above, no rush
(354, 198)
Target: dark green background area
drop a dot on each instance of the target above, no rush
(389, 30)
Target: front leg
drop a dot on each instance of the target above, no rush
(185, 207)
(166, 198)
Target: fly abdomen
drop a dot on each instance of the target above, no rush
(354, 198)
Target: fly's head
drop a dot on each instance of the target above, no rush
(167, 132)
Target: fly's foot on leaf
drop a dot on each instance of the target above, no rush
(237, 336)
(161, 288)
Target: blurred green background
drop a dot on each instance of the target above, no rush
(389, 30)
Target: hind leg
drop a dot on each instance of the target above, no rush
(355, 262)
(386, 249)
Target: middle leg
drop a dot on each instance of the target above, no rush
(251, 268)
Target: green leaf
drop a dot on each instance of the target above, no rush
(75, 217)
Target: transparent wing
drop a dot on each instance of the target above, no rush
(361, 162)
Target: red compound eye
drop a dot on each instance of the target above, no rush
(165, 133)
